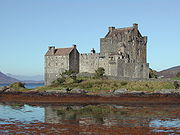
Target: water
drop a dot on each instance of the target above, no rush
(20, 113)
(89, 119)
(33, 85)
(28, 85)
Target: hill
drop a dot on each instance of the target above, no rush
(4, 79)
(28, 78)
(170, 72)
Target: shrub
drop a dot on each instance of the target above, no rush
(66, 77)
(152, 73)
(123, 83)
(17, 85)
(176, 84)
(178, 75)
(68, 73)
(99, 73)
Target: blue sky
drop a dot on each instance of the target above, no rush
(28, 27)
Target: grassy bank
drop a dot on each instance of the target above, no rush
(97, 85)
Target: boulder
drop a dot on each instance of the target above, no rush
(136, 92)
(56, 91)
(10, 90)
(120, 91)
(168, 91)
(80, 91)
(4, 89)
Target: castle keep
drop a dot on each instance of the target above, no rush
(122, 55)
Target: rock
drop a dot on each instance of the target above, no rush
(168, 91)
(33, 90)
(56, 91)
(136, 92)
(10, 90)
(4, 88)
(78, 91)
(120, 91)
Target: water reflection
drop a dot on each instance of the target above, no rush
(15, 113)
(113, 115)
(83, 119)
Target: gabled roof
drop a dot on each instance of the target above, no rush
(60, 51)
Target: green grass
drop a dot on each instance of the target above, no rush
(175, 78)
(97, 85)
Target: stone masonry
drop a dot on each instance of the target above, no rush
(122, 54)
(57, 60)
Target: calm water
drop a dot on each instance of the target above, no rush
(29, 85)
(91, 119)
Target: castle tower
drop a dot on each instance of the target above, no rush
(127, 41)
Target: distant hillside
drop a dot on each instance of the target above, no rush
(4, 79)
(169, 73)
(29, 78)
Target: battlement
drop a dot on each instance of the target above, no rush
(90, 54)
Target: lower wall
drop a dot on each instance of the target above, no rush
(132, 70)
(50, 77)
(91, 62)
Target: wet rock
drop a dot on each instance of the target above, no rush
(168, 91)
(55, 91)
(136, 92)
(120, 91)
(80, 91)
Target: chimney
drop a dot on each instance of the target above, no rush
(52, 50)
(111, 29)
(145, 39)
(74, 46)
(135, 25)
(93, 51)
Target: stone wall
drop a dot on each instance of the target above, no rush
(132, 70)
(113, 66)
(74, 60)
(127, 41)
(92, 61)
(54, 65)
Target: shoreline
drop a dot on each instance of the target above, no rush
(42, 98)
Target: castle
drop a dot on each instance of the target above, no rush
(122, 55)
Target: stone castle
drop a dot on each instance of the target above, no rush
(122, 55)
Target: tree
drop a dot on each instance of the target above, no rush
(178, 75)
(152, 73)
(99, 73)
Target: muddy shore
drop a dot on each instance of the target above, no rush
(123, 99)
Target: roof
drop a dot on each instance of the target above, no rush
(60, 51)
(119, 30)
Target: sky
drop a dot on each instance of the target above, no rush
(28, 27)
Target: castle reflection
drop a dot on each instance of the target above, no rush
(107, 115)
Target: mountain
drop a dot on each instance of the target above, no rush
(170, 72)
(4, 79)
(27, 78)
